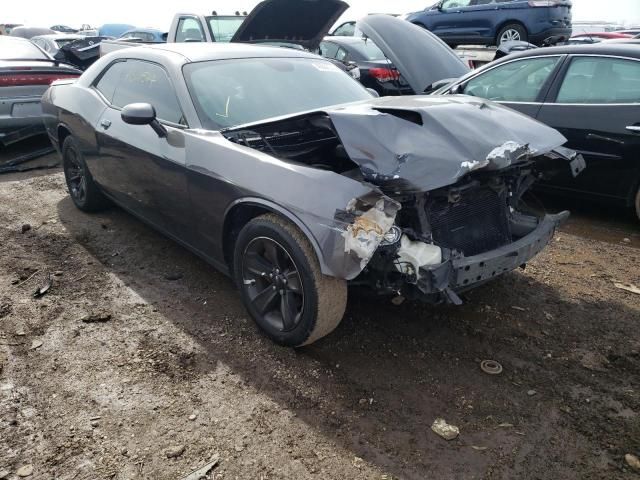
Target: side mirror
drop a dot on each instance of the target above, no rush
(457, 89)
(373, 92)
(143, 114)
(439, 6)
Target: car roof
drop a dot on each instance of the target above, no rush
(199, 52)
(9, 38)
(627, 49)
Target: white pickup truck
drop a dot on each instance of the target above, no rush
(188, 27)
(273, 22)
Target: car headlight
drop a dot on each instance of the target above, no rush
(393, 236)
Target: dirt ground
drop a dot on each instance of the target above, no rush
(140, 350)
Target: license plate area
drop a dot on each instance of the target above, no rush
(26, 109)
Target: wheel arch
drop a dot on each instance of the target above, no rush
(62, 132)
(242, 211)
(503, 24)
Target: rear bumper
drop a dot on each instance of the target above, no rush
(20, 117)
(550, 36)
(446, 280)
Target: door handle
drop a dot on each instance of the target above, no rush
(634, 128)
(105, 124)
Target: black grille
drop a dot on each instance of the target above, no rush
(475, 224)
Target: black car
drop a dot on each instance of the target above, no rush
(591, 94)
(376, 71)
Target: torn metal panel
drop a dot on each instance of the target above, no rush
(454, 135)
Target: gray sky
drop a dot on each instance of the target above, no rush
(159, 13)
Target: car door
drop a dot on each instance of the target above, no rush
(596, 105)
(447, 21)
(142, 171)
(476, 20)
(521, 84)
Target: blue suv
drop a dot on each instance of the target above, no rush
(492, 22)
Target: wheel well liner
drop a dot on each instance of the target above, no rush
(63, 133)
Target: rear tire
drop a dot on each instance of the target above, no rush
(83, 191)
(512, 32)
(281, 284)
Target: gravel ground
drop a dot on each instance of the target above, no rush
(140, 362)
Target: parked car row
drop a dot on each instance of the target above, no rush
(295, 180)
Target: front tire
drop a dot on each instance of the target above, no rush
(281, 283)
(512, 32)
(83, 191)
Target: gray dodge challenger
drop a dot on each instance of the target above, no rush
(285, 173)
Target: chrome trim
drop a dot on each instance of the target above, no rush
(633, 128)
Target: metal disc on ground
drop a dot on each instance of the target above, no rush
(491, 367)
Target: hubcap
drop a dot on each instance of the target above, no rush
(510, 35)
(272, 283)
(76, 176)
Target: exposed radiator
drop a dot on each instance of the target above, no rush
(475, 224)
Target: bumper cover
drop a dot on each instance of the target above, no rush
(460, 274)
(551, 36)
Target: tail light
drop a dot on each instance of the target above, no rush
(22, 79)
(385, 74)
(544, 3)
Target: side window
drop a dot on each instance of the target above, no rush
(345, 30)
(328, 49)
(591, 80)
(519, 81)
(341, 55)
(148, 83)
(447, 4)
(189, 30)
(110, 79)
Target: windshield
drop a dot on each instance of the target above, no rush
(16, 50)
(369, 51)
(227, 93)
(224, 28)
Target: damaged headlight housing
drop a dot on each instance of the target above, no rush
(392, 237)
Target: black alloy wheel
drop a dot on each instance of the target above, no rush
(282, 285)
(84, 192)
(76, 177)
(272, 284)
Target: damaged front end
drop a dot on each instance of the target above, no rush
(454, 238)
(447, 176)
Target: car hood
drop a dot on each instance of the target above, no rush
(303, 22)
(420, 143)
(420, 57)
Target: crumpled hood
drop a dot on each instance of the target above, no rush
(420, 143)
(302, 22)
(420, 57)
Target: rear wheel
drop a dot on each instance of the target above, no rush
(512, 32)
(282, 286)
(82, 189)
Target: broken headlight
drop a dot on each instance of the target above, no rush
(392, 237)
